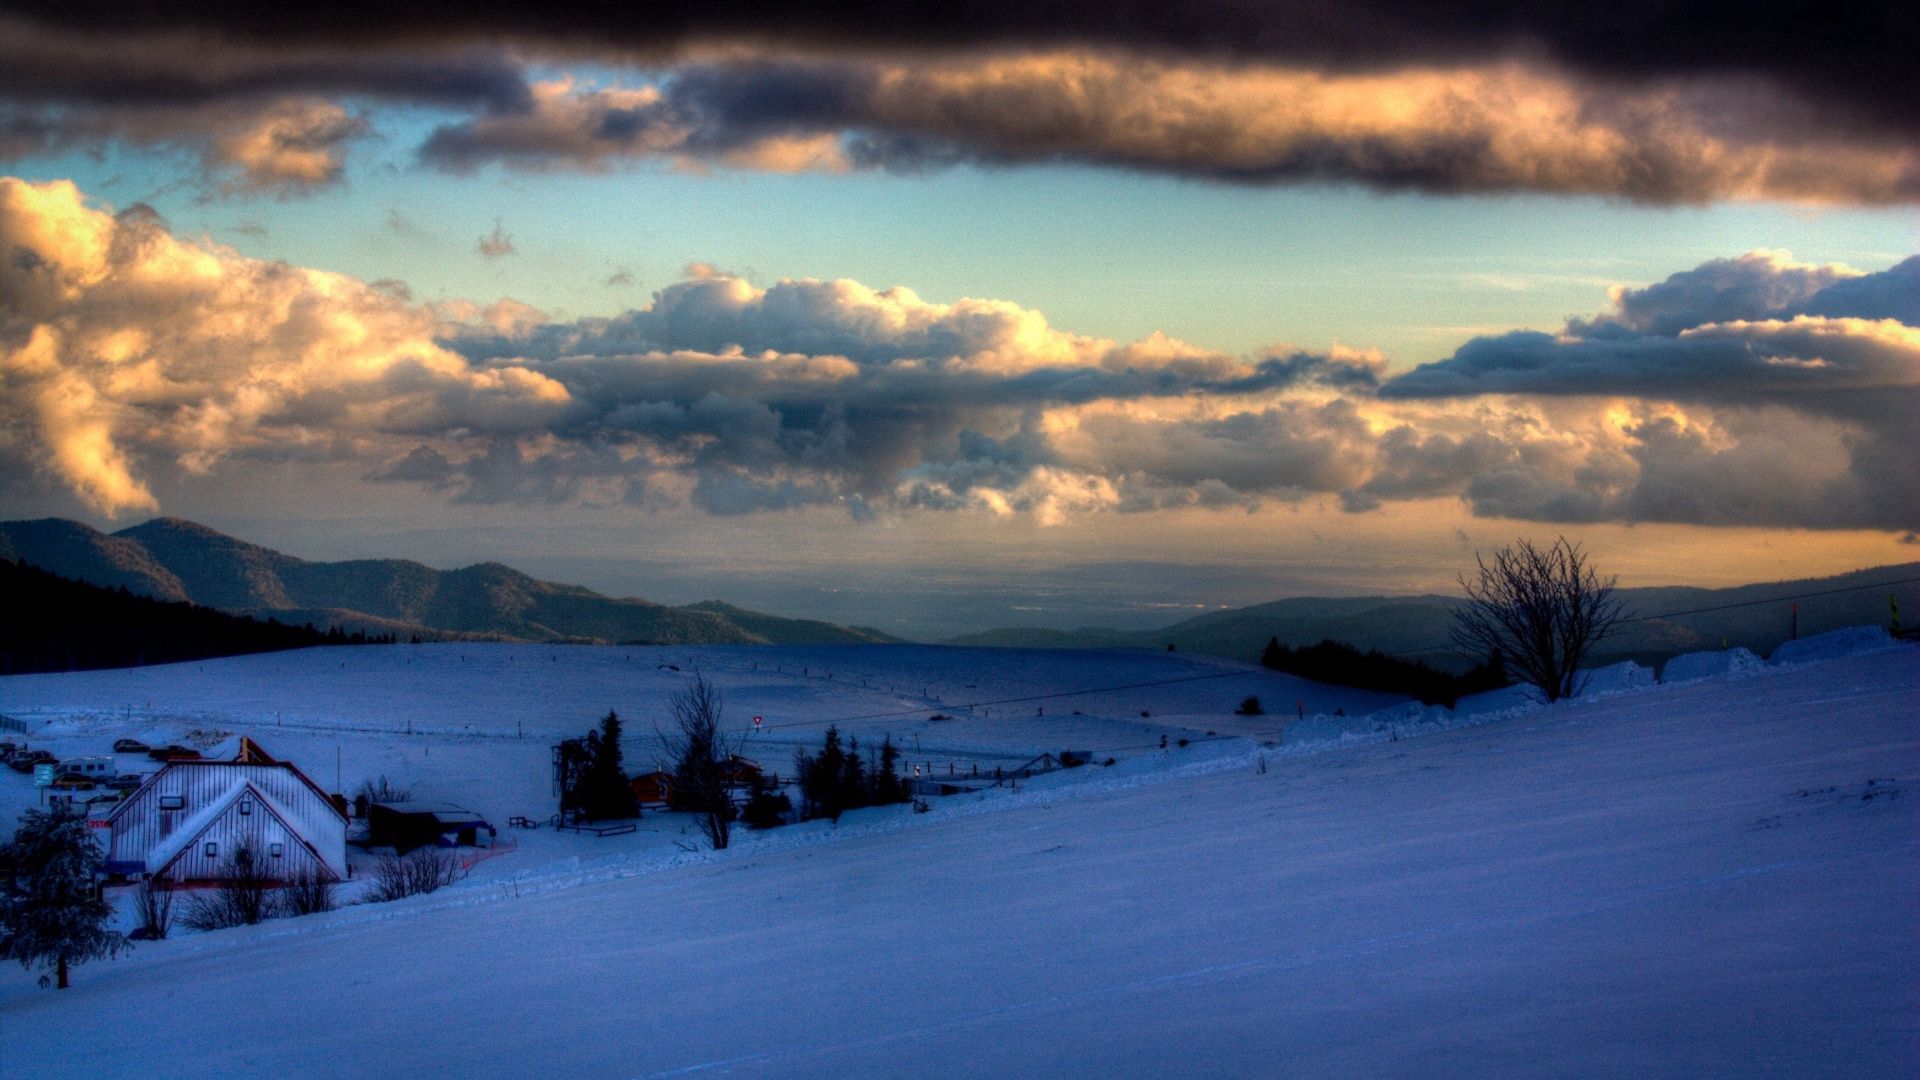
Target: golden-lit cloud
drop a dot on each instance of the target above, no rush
(125, 345)
(1742, 392)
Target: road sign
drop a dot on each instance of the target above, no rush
(756, 723)
(43, 774)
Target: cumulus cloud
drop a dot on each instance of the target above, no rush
(1802, 385)
(127, 352)
(122, 346)
(1464, 129)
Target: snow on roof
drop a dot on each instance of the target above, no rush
(166, 851)
(445, 813)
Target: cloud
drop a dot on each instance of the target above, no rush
(1800, 386)
(127, 354)
(1846, 60)
(1661, 104)
(1450, 130)
(124, 349)
(496, 244)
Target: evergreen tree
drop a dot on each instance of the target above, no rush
(822, 778)
(606, 792)
(853, 779)
(887, 787)
(52, 916)
(1274, 655)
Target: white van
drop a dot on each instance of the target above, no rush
(93, 768)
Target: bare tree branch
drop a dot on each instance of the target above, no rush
(1537, 611)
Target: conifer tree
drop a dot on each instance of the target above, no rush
(52, 916)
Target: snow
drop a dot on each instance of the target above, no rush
(1706, 665)
(1849, 641)
(1656, 880)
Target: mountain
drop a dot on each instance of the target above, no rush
(66, 625)
(172, 559)
(1666, 621)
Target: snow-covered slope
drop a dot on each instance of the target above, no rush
(1710, 879)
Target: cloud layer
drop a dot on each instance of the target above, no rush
(1746, 391)
(1656, 102)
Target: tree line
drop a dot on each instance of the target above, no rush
(59, 624)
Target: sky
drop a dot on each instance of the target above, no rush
(1047, 312)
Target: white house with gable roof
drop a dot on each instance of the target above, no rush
(187, 820)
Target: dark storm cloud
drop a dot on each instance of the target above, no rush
(1847, 55)
(1654, 102)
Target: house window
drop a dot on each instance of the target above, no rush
(173, 802)
(213, 849)
(276, 850)
(246, 806)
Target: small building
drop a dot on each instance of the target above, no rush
(652, 788)
(185, 821)
(743, 772)
(404, 826)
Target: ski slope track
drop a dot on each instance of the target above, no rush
(1716, 878)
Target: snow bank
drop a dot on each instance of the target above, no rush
(1612, 679)
(1517, 696)
(1707, 665)
(1833, 644)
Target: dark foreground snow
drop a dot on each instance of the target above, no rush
(1710, 879)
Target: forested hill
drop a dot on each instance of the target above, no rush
(172, 559)
(55, 624)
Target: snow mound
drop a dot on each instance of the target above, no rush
(1707, 665)
(1833, 644)
(1612, 679)
(1517, 696)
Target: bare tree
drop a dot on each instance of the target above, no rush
(153, 904)
(1538, 612)
(703, 758)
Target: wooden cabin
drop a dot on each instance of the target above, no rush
(186, 820)
(652, 789)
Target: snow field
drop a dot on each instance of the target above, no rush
(1713, 879)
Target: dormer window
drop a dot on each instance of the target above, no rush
(173, 802)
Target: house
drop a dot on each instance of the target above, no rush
(652, 788)
(743, 772)
(185, 821)
(404, 826)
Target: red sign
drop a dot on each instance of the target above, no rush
(756, 721)
(99, 823)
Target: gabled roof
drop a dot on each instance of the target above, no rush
(168, 851)
(250, 754)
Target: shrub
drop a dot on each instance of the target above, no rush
(308, 892)
(1250, 707)
(245, 895)
(153, 904)
(420, 871)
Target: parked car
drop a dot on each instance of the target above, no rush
(130, 746)
(126, 782)
(20, 763)
(73, 782)
(173, 753)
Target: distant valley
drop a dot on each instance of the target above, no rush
(1757, 617)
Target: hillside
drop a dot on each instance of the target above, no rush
(55, 624)
(1415, 624)
(172, 559)
(1689, 880)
